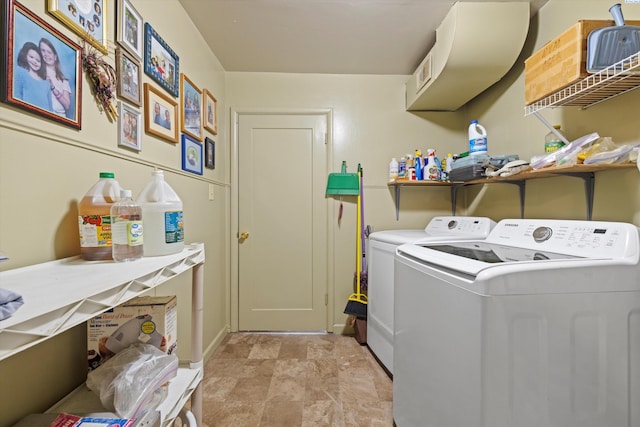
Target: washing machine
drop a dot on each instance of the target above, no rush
(536, 325)
(381, 250)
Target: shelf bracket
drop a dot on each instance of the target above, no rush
(454, 197)
(397, 202)
(589, 179)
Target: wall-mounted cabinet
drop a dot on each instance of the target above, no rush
(584, 172)
(62, 294)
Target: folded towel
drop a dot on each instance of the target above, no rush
(9, 303)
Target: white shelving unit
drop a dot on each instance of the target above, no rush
(615, 80)
(62, 294)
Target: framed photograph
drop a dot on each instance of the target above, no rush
(190, 108)
(160, 62)
(42, 68)
(191, 155)
(129, 127)
(129, 75)
(210, 112)
(87, 18)
(129, 31)
(209, 153)
(160, 114)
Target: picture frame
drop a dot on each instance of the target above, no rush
(129, 127)
(190, 108)
(129, 76)
(130, 27)
(160, 62)
(57, 99)
(210, 112)
(88, 19)
(157, 108)
(191, 155)
(209, 153)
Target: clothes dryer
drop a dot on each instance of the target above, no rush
(537, 325)
(380, 255)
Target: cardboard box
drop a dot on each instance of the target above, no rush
(151, 320)
(561, 62)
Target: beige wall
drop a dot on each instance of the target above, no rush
(39, 194)
(46, 168)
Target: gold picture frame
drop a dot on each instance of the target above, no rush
(89, 20)
(160, 114)
(210, 109)
(190, 108)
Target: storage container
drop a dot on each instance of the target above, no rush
(562, 61)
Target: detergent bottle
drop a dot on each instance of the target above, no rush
(431, 169)
(94, 218)
(477, 139)
(163, 217)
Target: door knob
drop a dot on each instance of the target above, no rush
(244, 235)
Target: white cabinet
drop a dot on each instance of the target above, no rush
(62, 294)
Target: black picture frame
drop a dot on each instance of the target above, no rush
(161, 63)
(45, 94)
(191, 155)
(209, 153)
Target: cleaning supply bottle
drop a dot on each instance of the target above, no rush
(477, 139)
(163, 217)
(126, 228)
(447, 167)
(431, 169)
(393, 169)
(402, 169)
(551, 141)
(94, 218)
(418, 165)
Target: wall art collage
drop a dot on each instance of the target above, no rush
(42, 74)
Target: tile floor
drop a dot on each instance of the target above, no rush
(286, 380)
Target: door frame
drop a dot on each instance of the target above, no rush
(236, 113)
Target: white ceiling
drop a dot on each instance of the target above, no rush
(322, 36)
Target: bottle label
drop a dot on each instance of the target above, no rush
(134, 233)
(95, 231)
(478, 145)
(173, 227)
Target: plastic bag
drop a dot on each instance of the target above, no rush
(566, 155)
(132, 379)
(617, 155)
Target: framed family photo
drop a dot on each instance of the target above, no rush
(160, 114)
(87, 18)
(129, 31)
(190, 108)
(129, 127)
(160, 62)
(191, 155)
(128, 75)
(42, 68)
(209, 153)
(210, 112)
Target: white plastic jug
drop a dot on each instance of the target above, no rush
(477, 138)
(163, 217)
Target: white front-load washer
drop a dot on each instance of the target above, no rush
(381, 250)
(537, 325)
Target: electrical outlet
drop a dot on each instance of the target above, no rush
(211, 192)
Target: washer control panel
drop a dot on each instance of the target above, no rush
(584, 238)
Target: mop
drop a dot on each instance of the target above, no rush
(357, 303)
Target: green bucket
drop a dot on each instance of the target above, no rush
(343, 183)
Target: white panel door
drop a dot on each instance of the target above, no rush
(282, 222)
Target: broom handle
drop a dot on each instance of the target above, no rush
(362, 236)
(358, 246)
